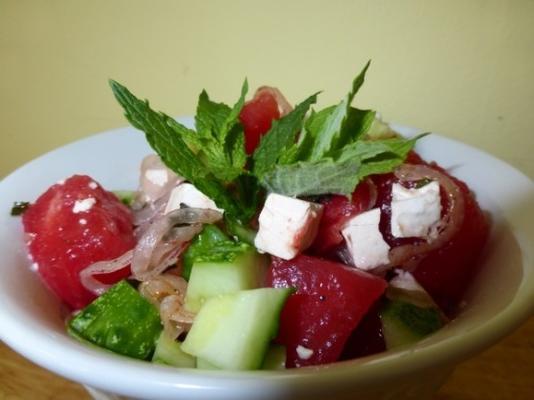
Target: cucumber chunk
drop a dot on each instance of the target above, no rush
(228, 268)
(203, 364)
(275, 359)
(233, 331)
(241, 232)
(202, 245)
(120, 320)
(169, 352)
(404, 323)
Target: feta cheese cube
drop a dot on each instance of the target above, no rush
(415, 212)
(364, 240)
(287, 225)
(190, 196)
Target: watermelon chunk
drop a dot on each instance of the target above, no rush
(329, 302)
(72, 225)
(257, 116)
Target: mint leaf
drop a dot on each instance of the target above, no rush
(367, 149)
(281, 137)
(166, 137)
(378, 156)
(210, 117)
(233, 116)
(234, 134)
(356, 126)
(220, 137)
(166, 141)
(331, 134)
(307, 178)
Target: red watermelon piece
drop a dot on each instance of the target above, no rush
(257, 116)
(329, 302)
(72, 225)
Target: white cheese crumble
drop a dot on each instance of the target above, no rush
(34, 267)
(83, 205)
(304, 353)
(405, 280)
(157, 176)
(93, 185)
(189, 195)
(415, 212)
(83, 221)
(287, 225)
(364, 240)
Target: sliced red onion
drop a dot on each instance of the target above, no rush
(151, 210)
(155, 290)
(407, 255)
(163, 237)
(155, 180)
(167, 292)
(175, 318)
(88, 280)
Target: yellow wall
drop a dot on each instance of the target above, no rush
(462, 68)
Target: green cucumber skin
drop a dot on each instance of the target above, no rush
(233, 331)
(169, 352)
(237, 230)
(120, 320)
(202, 244)
(212, 278)
(404, 323)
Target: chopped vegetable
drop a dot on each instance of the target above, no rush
(233, 331)
(169, 352)
(226, 267)
(201, 245)
(405, 323)
(120, 320)
(74, 224)
(330, 301)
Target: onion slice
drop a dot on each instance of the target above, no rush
(163, 240)
(408, 255)
(88, 280)
(167, 292)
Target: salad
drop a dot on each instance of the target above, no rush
(271, 236)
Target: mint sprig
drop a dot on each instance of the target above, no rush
(303, 154)
(331, 154)
(176, 145)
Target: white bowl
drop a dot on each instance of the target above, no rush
(501, 298)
